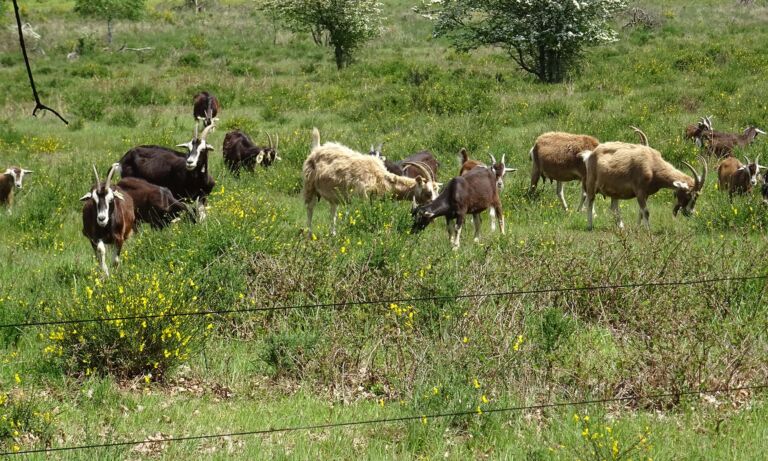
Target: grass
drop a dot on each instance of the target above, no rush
(275, 369)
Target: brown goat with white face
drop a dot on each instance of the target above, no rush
(737, 177)
(108, 218)
(699, 130)
(12, 178)
(623, 171)
(499, 167)
(555, 157)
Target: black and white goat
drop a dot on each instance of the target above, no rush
(186, 175)
(472, 193)
(240, 152)
(153, 204)
(108, 218)
(205, 107)
(12, 177)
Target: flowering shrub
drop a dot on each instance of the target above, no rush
(146, 347)
(22, 421)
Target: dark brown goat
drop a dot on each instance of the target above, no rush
(472, 193)
(498, 167)
(467, 163)
(13, 176)
(205, 107)
(240, 152)
(722, 144)
(698, 131)
(411, 166)
(186, 175)
(153, 204)
(108, 218)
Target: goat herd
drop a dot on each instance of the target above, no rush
(157, 183)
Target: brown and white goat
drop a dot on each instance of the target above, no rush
(699, 130)
(499, 167)
(186, 175)
(623, 171)
(471, 193)
(335, 173)
(240, 152)
(205, 107)
(555, 156)
(108, 218)
(12, 178)
(722, 144)
(737, 177)
(153, 204)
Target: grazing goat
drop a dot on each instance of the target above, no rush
(13, 176)
(240, 152)
(698, 131)
(151, 203)
(738, 178)
(205, 107)
(335, 172)
(499, 168)
(185, 175)
(472, 193)
(722, 144)
(108, 218)
(555, 157)
(624, 171)
(410, 166)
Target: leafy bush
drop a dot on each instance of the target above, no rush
(123, 117)
(22, 420)
(146, 347)
(189, 59)
(143, 94)
(90, 106)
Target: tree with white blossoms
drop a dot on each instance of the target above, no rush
(344, 25)
(544, 37)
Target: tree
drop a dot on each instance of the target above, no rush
(343, 25)
(544, 37)
(110, 10)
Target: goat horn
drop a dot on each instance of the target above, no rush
(503, 159)
(111, 172)
(747, 159)
(493, 159)
(757, 162)
(270, 140)
(697, 182)
(643, 137)
(196, 131)
(207, 131)
(98, 181)
(423, 168)
(759, 130)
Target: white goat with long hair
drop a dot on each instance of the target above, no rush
(335, 173)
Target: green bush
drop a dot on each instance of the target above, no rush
(90, 106)
(143, 94)
(22, 420)
(189, 59)
(123, 117)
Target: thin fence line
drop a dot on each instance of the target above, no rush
(423, 417)
(344, 304)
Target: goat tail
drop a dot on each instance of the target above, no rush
(308, 174)
(315, 138)
(532, 153)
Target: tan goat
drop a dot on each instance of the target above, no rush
(335, 172)
(623, 171)
(555, 157)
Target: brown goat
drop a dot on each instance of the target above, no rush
(722, 144)
(555, 157)
(13, 176)
(698, 131)
(205, 107)
(737, 177)
(240, 152)
(153, 204)
(108, 218)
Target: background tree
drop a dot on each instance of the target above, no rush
(343, 25)
(110, 10)
(544, 37)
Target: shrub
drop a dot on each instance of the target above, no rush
(90, 106)
(189, 59)
(21, 419)
(142, 94)
(146, 347)
(123, 117)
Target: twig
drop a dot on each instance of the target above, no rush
(38, 105)
(146, 48)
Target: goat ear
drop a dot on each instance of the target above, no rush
(420, 180)
(119, 195)
(27, 171)
(85, 197)
(510, 170)
(188, 145)
(260, 157)
(680, 185)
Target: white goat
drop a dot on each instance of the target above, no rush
(335, 172)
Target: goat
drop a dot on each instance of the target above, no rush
(205, 107)
(555, 156)
(467, 163)
(764, 189)
(335, 172)
(13, 176)
(240, 152)
(151, 203)
(698, 131)
(722, 144)
(186, 176)
(108, 218)
(472, 193)
(410, 166)
(624, 171)
(738, 178)
(499, 168)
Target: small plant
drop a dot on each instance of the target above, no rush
(90, 106)
(123, 117)
(601, 441)
(22, 420)
(110, 10)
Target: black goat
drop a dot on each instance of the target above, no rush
(205, 107)
(240, 152)
(410, 166)
(153, 204)
(472, 193)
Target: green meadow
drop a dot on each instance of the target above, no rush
(426, 348)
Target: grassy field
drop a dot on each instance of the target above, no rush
(104, 382)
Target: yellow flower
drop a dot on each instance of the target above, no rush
(423, 419)
(476, 383)
(17, 378)
(484, 399)
(435, 390)
(465, 340)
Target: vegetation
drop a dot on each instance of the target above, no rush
(110, 10)
(73, 384)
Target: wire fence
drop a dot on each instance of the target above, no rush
(424, 418)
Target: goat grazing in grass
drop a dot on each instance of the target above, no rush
(471, 193)
(555, 157)
(240, 152)
(108, 218)
(411, 166)
(335, 173)
(205, 107)
(699, 130)
(153, 204)
(722, 144)
(738, 178)
(13, 177)
(623, 171)
(186, 175)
